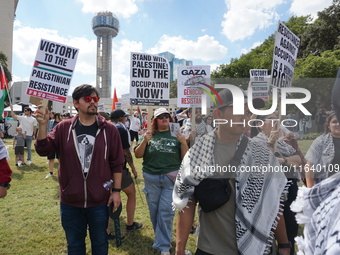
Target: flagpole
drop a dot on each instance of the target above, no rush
(9, 95)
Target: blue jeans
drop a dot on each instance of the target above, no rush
(158, 190)
(29, 146)
(75, 221)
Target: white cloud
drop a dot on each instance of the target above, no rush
(205, 48)
(213, 67)
(255, 44)
(303, 8)
(125, 8)
(121, 64)
(27, 39)
(243, 18)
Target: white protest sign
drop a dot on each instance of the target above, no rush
(193, 82)
(259, 83)
(174, 129)
(118, 105)
(149, 80)
(52, 71)
(101, 108)
(285, 55)
(125, 100)
(258, 74)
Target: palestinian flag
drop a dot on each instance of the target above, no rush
(3, 90)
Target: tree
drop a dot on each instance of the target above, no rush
(3, 62)
(324, 33)
(317, 74)
(173, 89)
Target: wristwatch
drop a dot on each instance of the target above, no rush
(6, 185)
(284, 245)
(116, 190)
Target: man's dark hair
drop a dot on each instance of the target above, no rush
(83, 91)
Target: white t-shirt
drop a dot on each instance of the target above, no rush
(135, 124)
(27, 124)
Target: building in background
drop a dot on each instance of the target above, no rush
(174, 63)
(105, 26)
(7, 14)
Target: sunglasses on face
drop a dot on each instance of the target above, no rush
(162, 116)
(89, 99)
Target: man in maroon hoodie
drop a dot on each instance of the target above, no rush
(90, 156)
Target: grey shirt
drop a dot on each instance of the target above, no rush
(20, 140)
(217, 233)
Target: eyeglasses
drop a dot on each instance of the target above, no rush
(89, 99)
(162, 116)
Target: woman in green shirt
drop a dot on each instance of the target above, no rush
(162, 154)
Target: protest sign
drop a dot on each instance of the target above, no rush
(52, 71)
(101, 108)
(285, 55)
(118, 105)
(259, 83)
(193, 83)
(149, 80)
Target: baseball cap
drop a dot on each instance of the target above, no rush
(228, 100)
(116, 114)
(159, 111)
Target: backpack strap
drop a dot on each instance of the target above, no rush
(236, 160)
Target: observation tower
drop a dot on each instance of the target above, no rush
(105, 26)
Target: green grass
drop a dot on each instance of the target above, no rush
(30, 220)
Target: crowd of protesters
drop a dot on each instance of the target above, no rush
(251, 206)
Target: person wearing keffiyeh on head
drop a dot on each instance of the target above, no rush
(201, 127)
(249, 220)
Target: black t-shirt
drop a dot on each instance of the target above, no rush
(86, 136)
(336, 159)
(124, 137)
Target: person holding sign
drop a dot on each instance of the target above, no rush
(162, 154)
(201, 127)
(273, 136)
(90, 169)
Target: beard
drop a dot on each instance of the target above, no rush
(91, 111)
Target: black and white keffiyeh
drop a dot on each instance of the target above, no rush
(281, 147)
(3, 151)
(319, 209)
(321, 153)
(258, 192)
(201, 128)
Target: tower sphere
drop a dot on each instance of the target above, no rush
(105, 23)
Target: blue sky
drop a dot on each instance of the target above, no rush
(206, 32)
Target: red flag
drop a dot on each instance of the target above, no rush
(115, 100)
